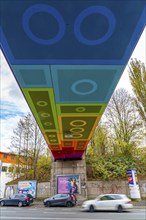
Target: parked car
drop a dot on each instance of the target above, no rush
(119, 202)
(18, 200)
(67, 199)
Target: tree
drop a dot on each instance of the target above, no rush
(99, 143)
(16, 141)
(43, 169)
(38, 146)
(124, 122)
(28, 145)
(27, 132)
(137, 74)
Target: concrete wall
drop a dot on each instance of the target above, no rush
(98, 187)
(43, 190)
(93, 188)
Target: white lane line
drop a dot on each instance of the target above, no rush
(60, 213)
(40, 218)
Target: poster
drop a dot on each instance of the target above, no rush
(133, 184)
(68, 184)
(27, 186)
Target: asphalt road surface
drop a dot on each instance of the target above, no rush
(63, 213)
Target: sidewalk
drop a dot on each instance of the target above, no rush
(141, 204)
(136, 205)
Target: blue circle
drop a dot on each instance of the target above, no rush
(92, 10)
(94, 86)
(43, 8)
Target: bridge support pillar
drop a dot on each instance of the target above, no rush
(65, 168)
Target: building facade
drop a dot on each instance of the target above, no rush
(7, 164)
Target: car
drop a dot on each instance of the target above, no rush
(118, 202)
(17, 200)
(66, 199)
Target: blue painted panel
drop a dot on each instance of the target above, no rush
(84, 83)
(33, 76)
(71, 32)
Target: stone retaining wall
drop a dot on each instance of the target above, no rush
(93, 188)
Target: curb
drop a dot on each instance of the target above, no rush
(135, 206)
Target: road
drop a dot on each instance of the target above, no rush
(30, 213)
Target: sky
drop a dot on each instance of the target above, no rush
(13, 105)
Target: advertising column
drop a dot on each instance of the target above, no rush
(133, 184)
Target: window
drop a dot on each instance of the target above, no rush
(22, 170)
(11, 169)
(106, 198)
(5, 155)
(17, 169)
(12, 157)
(20, 196)
(4, 168)
(64, 196)
(57, 196)
(117, 197)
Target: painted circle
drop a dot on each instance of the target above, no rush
(82, 81)
(53, 140)
(42, 103)
(47, 9)
(78, 123)
(77, 130)
(45, 115)
(47, 123)
(94, 10)
(80, 109)
(77, 135)
(52, 135)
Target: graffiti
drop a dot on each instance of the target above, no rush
(111, 188)
(115, 188)
(143, 187)
(9, 191)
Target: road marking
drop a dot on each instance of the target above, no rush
(60, 213)
(42, 218)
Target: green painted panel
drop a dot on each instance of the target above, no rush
(96, 109)
(52, 137)
(77, 127)
(41, 102)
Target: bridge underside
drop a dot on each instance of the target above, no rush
(67, 57)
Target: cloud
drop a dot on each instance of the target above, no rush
(10, 91)
(9, 110)
(7, 127)
(13, 104)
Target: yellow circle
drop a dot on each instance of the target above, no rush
(53, 140)
(79, 130)
(72, 123)
(45, 115)
(77, 135)
(42, 103)
(52, 135)
(48, 123)
(80, 109)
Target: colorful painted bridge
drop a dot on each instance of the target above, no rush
(67, 57)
